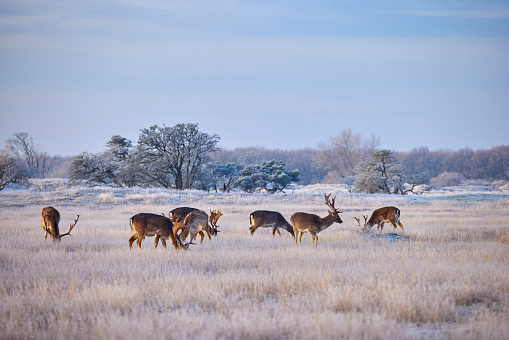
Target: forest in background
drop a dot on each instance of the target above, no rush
(340, 159)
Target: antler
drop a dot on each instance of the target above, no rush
(71, 227)
(359, 221)
(330, 203)
(214, 216)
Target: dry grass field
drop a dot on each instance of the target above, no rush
(448, 279)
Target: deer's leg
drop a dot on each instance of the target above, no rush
(252, 229)
(314, 239)
(401, 225)
(394, 225)
(131, 240)
(300, 236)
(156, 241)
(296, 233)
(274, 231)
(139, 241)
(202, 236)
(174, 241)
(163, 242)
(207, 230)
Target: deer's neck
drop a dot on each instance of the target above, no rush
(327, 221)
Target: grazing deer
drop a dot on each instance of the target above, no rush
(380, 216)
(50, 218)
(147, 224)
(269, 219)
(198, 219)
(313, 224)
(178, 214)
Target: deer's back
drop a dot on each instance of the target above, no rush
(266, 217)
(180, 213)
(50, 218)
(149, 224)
(302, 219)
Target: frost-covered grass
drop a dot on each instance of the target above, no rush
(447, 279)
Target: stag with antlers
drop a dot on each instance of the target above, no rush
(50, 218)
(381, 216)
(199, 219)
(313, 224)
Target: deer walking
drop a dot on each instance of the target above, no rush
(269, 219)
(313, 224)
(50, 218)
(381, 216)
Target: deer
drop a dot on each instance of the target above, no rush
(269, 219)
(198, 219)
(50, 218)
(313, 224)
(148, 224)
(381, 216)
(178, 214)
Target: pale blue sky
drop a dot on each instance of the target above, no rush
(278, 74)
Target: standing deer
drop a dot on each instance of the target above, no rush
(269, 219)
(313, 224)
(50, 218)
(147, 224)
(198, 219)
(380, 216)
(178, 214)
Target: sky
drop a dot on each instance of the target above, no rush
(276, 74)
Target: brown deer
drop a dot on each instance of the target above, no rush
(269, 219)
(379, 217)
(147, 224)
(50, 218)
(198, 220)
(313, 224)
(178, 214)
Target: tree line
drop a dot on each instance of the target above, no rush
(183, 157)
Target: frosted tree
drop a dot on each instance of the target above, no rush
(11, 169)
(174, 156)
(380, 173)
(221, 174)
(270, 176)
(38, 162)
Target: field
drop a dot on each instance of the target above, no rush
(447, 278)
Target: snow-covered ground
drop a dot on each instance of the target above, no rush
(61, 192)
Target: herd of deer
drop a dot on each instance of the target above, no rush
(184, 221)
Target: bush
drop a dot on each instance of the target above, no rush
(447, 179)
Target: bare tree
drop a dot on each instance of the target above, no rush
(37, 161)
(343, 152)
(11, 169)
